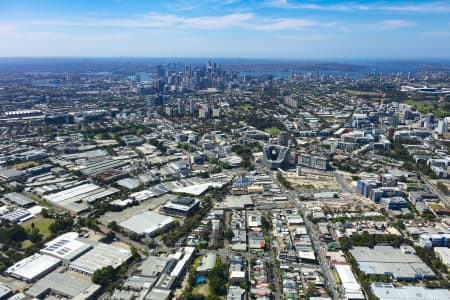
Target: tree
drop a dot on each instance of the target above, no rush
(61, 224)
(103, 275)
(402, 178)
(135, 254)
(35, 236)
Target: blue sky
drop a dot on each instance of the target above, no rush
(309, 29)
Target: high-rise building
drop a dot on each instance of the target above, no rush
(204, 111)
(442, 127)
(283, 138)
(180, 106)
(216, 113)
(191, 105)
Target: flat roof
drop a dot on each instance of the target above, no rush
(100, 256)
(207, 263)
(386, 291)
(66, 284)
(238, 202)
(349, 282)
(383, 254)
(158, 294)
(66, 247)
(444, 254)
(18, 199)
(389, 260)
(146, 222)
(181, 203)
(152, 266)
(33, 267)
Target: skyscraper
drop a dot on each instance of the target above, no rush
(283, 138)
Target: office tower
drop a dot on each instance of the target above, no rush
(283, 138)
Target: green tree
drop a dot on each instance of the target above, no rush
(104, 275)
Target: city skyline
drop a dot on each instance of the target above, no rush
(258, 29)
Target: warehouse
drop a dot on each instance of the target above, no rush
(352, 289)
(33, 267)
(444, 255)
(9, 175)
(239, 202)
(387, 291)
(5, 292)
(181, 206)
(402, 264)
(66, 247)
(17, 216)
(77, 199)
(102, 255)
(97, 167)
(65, 285)
(19, 200)
(146, 223)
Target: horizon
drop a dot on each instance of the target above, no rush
(270, 29)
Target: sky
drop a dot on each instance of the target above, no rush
(288, 29)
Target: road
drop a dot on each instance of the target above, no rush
(444, 198)
(343, 184)
(316, 243)
(318, 247)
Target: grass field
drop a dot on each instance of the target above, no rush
(360, 93)
(42, 224)
(37, 199)
(201, 289)
(26, 164)
(273, 131)
(435, 205)
(426, 106)
(26, 244)
(246, 107)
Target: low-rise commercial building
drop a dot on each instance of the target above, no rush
(33, 267)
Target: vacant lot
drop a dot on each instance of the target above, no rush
(40, 223)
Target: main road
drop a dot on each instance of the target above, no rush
(316, 243)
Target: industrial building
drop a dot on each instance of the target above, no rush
(434, 240)
(19, 200)
(5, 292)
(102, 255)
(77, 199)
(33, 267)
(352, 289)
(401, 264)
(17, 216)
(9, 175)
(64, 284)
(180, 206)
(387, 291)
(443, 253)
(96, 167)
(66, 247)
(147, 223)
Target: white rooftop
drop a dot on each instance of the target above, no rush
(33, 267)
(146, 222)
(66, 246)
(100, 256)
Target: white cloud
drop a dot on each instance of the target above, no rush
(430, 7)
(247, 21)
(307, 37)
(393, 24)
